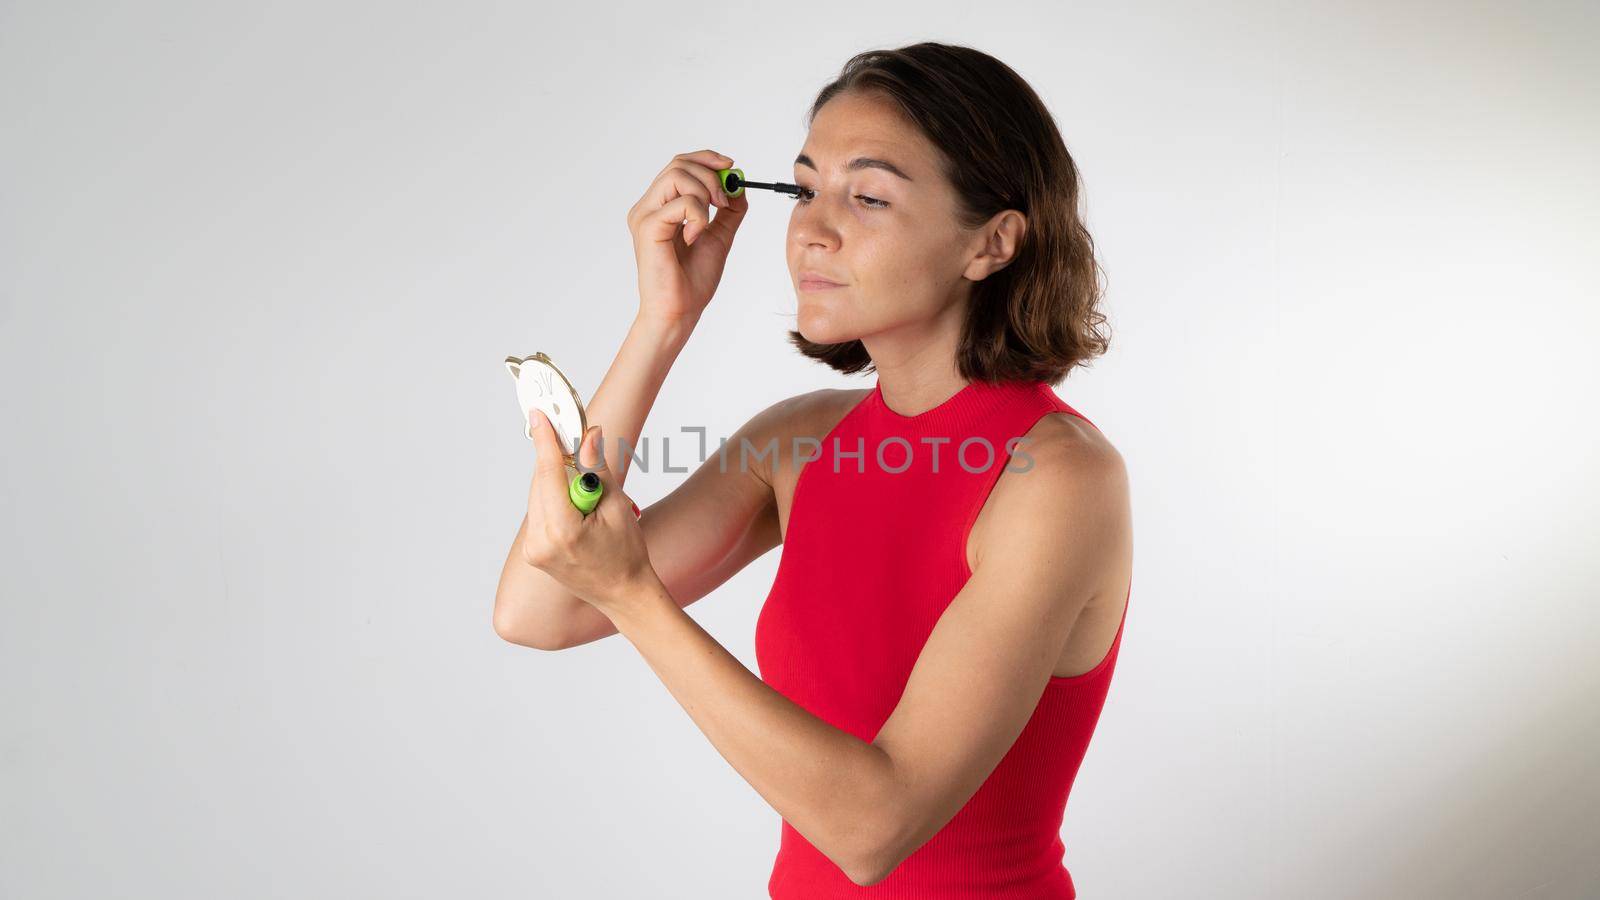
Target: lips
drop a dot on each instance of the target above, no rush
(812, 278)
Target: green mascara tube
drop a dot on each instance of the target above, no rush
(585, 491)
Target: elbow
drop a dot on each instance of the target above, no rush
(867, 877)
(514, 630)
(875, 862)
(872, 866)
(879, 848)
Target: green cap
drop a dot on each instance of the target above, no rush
(585, 491)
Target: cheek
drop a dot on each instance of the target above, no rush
(899, 263)
(880, 254)
(934, 260)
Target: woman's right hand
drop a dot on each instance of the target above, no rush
(680, 262)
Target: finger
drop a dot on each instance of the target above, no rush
(689, 180)
(663, 224)
(700, 185)
(549, 489)
(592, 456)
(726, 222)
(710, 158)
(600, 464)
(700, 165)
(590, 449)
(681, 180)
(673, 182)
(616, 507)
(703, 165)
(688, 177)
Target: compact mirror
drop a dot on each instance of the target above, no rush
(541, 386)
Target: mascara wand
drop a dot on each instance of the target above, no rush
(733, 184)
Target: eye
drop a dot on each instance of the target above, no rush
(808, 195)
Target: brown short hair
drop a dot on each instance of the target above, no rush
(1037, 318)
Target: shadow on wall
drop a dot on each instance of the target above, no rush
(1518, 817)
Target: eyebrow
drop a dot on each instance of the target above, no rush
(860, 162)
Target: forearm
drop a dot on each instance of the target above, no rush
(834, 788)
(623, 400)
(530, 606)
(535, 610)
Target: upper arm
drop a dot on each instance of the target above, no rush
(723, 516)
(991, 654)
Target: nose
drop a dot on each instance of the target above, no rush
(810, 226)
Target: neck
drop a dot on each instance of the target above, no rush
(916, 362)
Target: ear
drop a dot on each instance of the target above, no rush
(1000, 239)
(514, 366)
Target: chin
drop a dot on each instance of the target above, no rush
(819, 325)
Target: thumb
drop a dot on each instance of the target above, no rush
(593, 457)
(549, 488)
(591, 453)
(726, 222)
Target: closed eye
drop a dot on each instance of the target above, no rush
(809, 195)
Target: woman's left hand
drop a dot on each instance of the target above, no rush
(600, 557)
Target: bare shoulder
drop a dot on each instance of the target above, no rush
(810, 403)
(1064, 477)
(776, 452)
(1071, 449)
(809, 415)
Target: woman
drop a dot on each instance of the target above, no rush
(939, 639)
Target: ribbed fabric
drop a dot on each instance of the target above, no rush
(870, 560)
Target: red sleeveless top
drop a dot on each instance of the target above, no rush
(875, 550)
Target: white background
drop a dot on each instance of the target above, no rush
(260, 264)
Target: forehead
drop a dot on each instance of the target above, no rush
(850, 126)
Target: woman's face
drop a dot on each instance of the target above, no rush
(890, 240)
